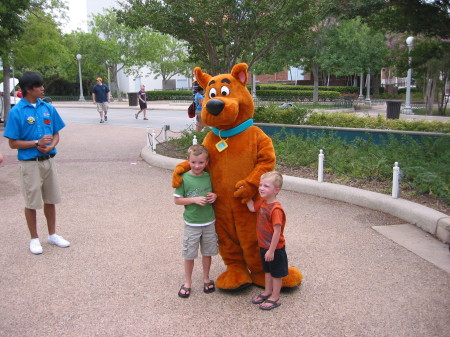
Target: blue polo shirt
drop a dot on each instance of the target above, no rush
(26, 122)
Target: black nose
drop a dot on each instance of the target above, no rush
(215, 106)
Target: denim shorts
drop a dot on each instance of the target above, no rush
(277, 268)
(205, 236)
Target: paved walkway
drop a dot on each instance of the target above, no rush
(122, 273)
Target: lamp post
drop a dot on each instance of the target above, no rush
(81, 84)
(408, 110)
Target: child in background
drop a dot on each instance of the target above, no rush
(195, 194)
(269, 230)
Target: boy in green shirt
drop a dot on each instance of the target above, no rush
(195, 194)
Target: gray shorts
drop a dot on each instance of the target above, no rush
(206, 236)
(102, 107)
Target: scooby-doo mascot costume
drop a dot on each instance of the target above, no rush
(239, 154)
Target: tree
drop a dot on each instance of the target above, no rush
(12, 25)
(171, 59)
(41, 47)
(351, 47)
(430, 18)
(221, 33)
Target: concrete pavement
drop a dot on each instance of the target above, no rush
(122, 273)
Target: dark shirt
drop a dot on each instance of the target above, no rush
(101, 93)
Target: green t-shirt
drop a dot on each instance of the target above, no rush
(196, 186)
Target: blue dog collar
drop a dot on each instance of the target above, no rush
(234, 131)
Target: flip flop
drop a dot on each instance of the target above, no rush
(187, 292)
(207, 285)
(274, 305)
(260, 298)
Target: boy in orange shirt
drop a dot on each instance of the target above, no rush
(269, 230)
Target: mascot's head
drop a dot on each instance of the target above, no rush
(227, 101)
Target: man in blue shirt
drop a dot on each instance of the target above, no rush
(100, 96)
(33, 129)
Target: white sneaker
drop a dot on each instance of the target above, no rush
(35, 246)
(58, 241)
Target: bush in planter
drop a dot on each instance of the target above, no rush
(273, 114)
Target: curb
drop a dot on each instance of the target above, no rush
(430, 220)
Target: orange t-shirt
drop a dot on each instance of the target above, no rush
(267, 216)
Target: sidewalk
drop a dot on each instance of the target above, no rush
(122, 273)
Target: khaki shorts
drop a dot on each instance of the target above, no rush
(39, 183)
(102, 107)
(206, 236)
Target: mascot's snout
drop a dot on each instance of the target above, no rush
(215, 106)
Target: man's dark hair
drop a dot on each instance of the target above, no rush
(30, 80)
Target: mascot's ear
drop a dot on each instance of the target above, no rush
(240, 73)
(202, 78)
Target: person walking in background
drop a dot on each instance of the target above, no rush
(142, 97)
(195, 194)
(198, 99)
(101, 97)
(33, 129)
(270, 222)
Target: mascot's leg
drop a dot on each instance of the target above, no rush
(236, 276)
(246, 232)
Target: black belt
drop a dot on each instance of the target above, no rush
(41, 158)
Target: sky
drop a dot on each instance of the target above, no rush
(76, 15)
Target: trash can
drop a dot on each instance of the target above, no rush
(132, 99)
(393, 108)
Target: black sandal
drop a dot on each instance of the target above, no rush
(187, 292)
(260, 298)
(207, 287)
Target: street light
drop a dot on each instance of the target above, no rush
(81, 85)
(408, 110)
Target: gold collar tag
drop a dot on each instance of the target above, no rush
(222, 145)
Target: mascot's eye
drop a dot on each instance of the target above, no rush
(212, 93)
(225, 91)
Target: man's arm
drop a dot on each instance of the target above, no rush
(26, 144)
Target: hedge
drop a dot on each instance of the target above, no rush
(169, 95)
(341, 89)
(297, 95)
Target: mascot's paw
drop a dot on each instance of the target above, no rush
(293, 279)
(258, 279)
(235, 278)
(179, 170)
(244, 191)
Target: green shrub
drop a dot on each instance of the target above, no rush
(424, 165)
(275, 115)
(296, 95)
(341, 89)
(296, 116)
(169, 95)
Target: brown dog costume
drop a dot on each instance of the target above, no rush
(239, 154)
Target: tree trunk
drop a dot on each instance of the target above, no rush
(315, 68)
(442, 102)
(430, 93)
(376, 83)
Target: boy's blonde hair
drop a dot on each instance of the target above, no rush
(197, 150)
(274, 176)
